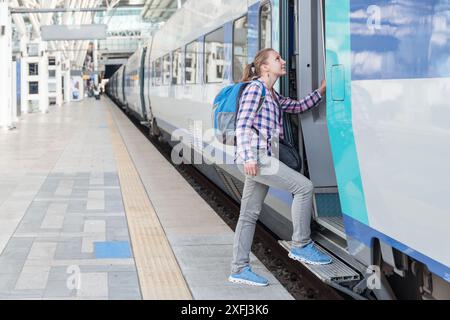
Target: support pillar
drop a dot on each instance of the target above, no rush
(59, 94)
(67, 82)
(13, 114)
(24, 105)
(43, 78)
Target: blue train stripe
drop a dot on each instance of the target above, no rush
(400, 40)
(339, 113)
(366, 235)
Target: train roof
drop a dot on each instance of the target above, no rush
(194, 19)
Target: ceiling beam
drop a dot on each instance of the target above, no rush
(55, 10)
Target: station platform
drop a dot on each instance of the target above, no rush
(89, 209)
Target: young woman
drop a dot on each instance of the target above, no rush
(255, 129)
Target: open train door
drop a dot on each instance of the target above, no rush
(310, 27)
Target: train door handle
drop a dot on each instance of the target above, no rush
(338, 82)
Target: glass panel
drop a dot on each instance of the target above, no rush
(52, 87)
(191, 63)
(33, 87)
(166, 69)
(176, 67)
(33, 69)
(266, 27)
(33, 49)
(51, 73)
(240, 48)
(214, 56)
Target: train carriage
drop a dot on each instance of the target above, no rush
(121, 87)
(134, 84)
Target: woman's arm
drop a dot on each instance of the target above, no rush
(310, 101)
(249, 104)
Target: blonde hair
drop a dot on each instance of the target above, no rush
(253, 70)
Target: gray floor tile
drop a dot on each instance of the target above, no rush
(116, 222)
(93, 285)
(77, 206)
(108, 268)
(10, 266)
(114, 234)
(58, 274)
(201, 240)
(59, 289)
(238, 292)
(124, 293)
(8, 281)
(17, 254)
(16, 243)
(69, 249)
(34, 217)
(123, 279)
(79, 193)
(22, 294)
(27, 227)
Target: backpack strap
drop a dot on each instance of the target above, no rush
(263, 96)
(261, 100)
(260, 106)
(261, 103)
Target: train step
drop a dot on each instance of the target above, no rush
(336, 272)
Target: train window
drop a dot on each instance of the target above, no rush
(33, 69)
(214, 56)
(265, 26)
(158, 78)
(166, 69)
(240, 48)
(191, 62)
(176, 67)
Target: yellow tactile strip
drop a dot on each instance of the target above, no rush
(160, 276)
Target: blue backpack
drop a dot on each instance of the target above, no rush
(226, 109)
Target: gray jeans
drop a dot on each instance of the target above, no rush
(255, 191)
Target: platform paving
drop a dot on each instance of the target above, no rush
(63, 226)
(60, 202)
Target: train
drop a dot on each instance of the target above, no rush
(375, 148)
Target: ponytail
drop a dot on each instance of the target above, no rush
(249, 73)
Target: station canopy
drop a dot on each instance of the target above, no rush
(122, 26)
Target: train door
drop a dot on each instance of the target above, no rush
(304, 45)
(142, 75)
(147, 83)
(124, 86)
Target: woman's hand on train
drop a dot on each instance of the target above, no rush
(323, 88)
(251, 168)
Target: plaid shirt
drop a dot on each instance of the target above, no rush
(269, 121)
